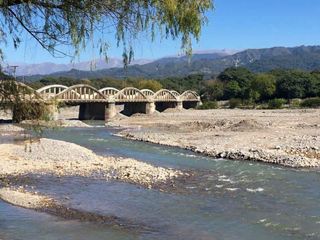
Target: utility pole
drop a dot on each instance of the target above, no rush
(14, 71)
(14, 67)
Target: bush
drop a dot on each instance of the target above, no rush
(235, 102)
(295, 103)
(276, 103)
(30, 111)
(311, 102)
(209, 105)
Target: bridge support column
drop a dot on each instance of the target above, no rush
(150, 108)
(110, 111)
(179, 105)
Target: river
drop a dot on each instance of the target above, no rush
(225, 200)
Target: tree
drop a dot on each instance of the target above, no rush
(77, 22)
(240, 75)
(232, 90)
(291, 83)
(264, 85)
(149, 84)
(213, 90)
(316, 77)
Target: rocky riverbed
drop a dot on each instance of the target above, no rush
(285, 137)
(20, 157)
(47, 156)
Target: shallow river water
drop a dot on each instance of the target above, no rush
(226, 200)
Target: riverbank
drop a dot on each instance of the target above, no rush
(285, 137)
(47, 156)
(22, 156)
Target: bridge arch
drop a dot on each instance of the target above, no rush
(175, 93)
(131, 94)
(81, 93)
(49, 92)
(149, 93)
(189, 96)
(27, 93)
(165, 95)
(109, 91)
(56, 88)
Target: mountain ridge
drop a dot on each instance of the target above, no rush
(210, 64)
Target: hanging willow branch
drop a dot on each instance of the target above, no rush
(74, 22)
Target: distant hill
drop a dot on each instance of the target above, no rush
(46, 68)
(257, 60)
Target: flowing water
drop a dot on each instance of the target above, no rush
(226, 200)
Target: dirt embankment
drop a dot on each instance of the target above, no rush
(285, 137)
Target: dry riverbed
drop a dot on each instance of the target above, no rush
(286, 137)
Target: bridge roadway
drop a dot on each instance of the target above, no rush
(101, 104)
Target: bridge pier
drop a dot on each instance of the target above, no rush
(110, 110)
(92, 111)
(179, 105)
(150, 108)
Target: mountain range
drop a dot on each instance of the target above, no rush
(207, 63)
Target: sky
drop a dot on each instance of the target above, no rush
(234, 24)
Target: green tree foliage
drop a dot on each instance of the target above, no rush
(276, 103)
(212, 90)
(290, 83)
(191, 82)
(264, 86)
(77, 22)
(232, 90)
(241, 76)
(22, 100)
(311, 102)
(149, 84)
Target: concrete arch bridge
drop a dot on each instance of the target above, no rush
(105, 103)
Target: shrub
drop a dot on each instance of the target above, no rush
(276, 103)
(209, 105)
(235, 102)
(30, 111)
(295, 103)
(311, 102)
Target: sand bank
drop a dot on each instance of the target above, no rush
(60, 158)
(286, 137)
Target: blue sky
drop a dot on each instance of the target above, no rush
(234, 24)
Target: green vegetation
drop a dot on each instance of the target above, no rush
(235, 102)
(242, 87)
(311, 102)
(276, 103)
(16, 97)
(209, 105)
